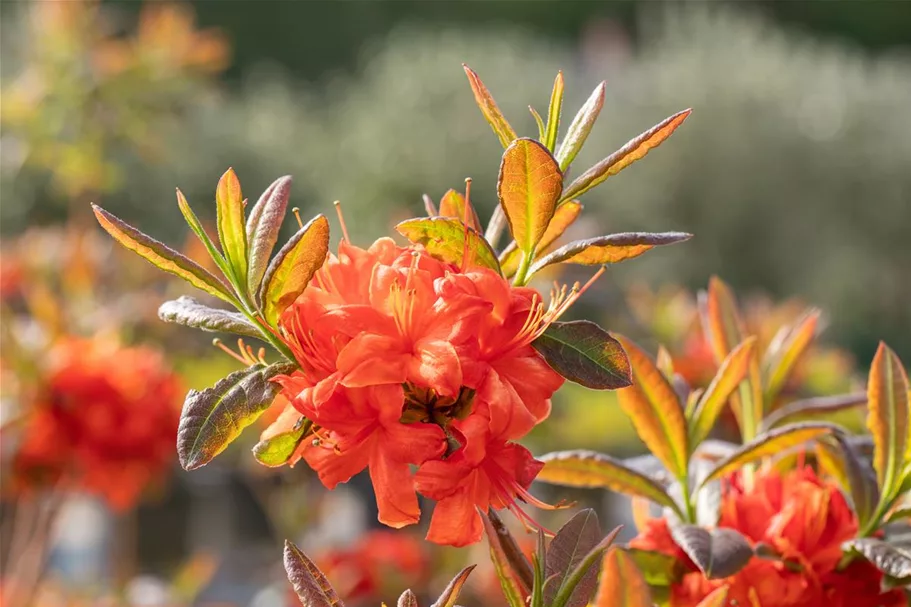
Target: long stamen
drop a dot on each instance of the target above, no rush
(218, 344)
(341, 220)
(297, 214)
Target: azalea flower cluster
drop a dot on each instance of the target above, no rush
(408, 361)
(801, 521)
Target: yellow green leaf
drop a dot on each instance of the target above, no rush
(726, 380)
(887, 419)
(657, 415)
(716, 598)
(232, 234)
(444, 238)
(161, 255)
(489, 108)
(613, 248)
(786, 349)
(634, 150)
(553, 114)
(453, 205)
(514, 590)
(528, 187)
(451, 593)
(538, 121)
(293, 266)
(565, 215)
(580, 127)
(622, 584)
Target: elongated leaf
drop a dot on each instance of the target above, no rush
(861, 481)
(277, 449)
(553, 114)
(451, 593)
(812, 407)
(771, 443)
(511, 551)
(229, 202)
(310, 585)
(538, 122)
(594, 556)
(634, 150)
(565, 215)
(495, 226)
(431, 208)
(580, 127)
(657, 568)
(717, 598)
(444, 238)
(718, 553)
(831, 462)
(513, 588)
(453, 205)
(726, 380)
(407, 599)
(489, 108)
(887, 398)
(786, 349)
(613, 248)
(263, 226)
(571, 544)
(189, 312)
(528, 186)
(213, 418)
(892, 560)
(161, 256)
(589, 469)
(586, 354)
(293, 266)
(201, 233)
(652, 406)
(622, 584)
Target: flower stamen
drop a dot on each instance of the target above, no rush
(341, 220)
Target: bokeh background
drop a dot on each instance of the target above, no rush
(792, 172)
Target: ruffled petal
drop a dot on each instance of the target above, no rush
(394, 487)
(371, 359)
(455, 522)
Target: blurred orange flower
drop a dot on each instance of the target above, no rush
(805, 520)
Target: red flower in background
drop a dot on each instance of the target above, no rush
(805, 520)
(411, 361)
(104, 421)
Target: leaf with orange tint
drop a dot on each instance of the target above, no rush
(786, 349)
(514, 589)
(622, 584)
(451, 593)
(510, 550)
(887, 419)
(444, 238)
(726, 380)
(634, 150)
(613, 248)
(528, 187)
(717, 598)
(489, 108)
(453, 205)
(232, 235)
(565, 215)
(652, 405)
(553, 114)
(580, 127)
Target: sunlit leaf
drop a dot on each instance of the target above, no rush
(229, 202)
(892, 560)
(201, 233)
(510, 549)
(213, 418)
(565, 215)
(277, 449)
(831, 462)
(622, 584)
(634, 150)
(665, 363)
(613, 248)
(861, 481)
(189, 312)
(162, 256)
(652, 406)
(452, 204)
(444, 238)
(293, 266)
(887, 398)
(718, 553)
(726, 380)
(786, 349)
(553, 114)
(716, 598)
(451, 593)
(812, 407)
(431, 208)
(528, 187)
(771, 443)
(263, 226)
(571, 544)
(657, 568)
(589, 469)
(538, 122)
(310, 585)
(580, 127)
(489, 108)
(586, 354)
(407, 599)
(514, 589)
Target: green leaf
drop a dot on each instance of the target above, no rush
(657, 568)
(887, 398)
(528, 187)
(444, 239)
(565, 215)
(263, 227)
(162, 256)
(862, 481)
(451, 593)
(892, 560)
(657, 415)
(622, 584)
(538, 122)
(293, 266)
(589, 469)
(408, 599)
(580, 127)
(514, 588)
(718, 553)
(229, 203)
(553, 114)
(786, 349)
(634, 150)
(812, 407)
(453, 204)
(277, 450)
(726, 380)
(189, 312)
(613, 248)
(489, 108)
(586, 354)
(212, 419)
(513, 555)
(771, 443)
(310, 585)
(571, 544)
(200, 231)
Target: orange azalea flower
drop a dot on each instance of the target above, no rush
(805, 520)
(104, 421)
(411, 361)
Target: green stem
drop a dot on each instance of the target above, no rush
(521, 277)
